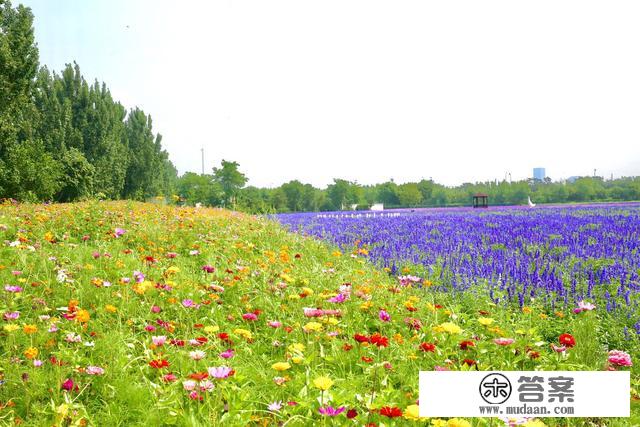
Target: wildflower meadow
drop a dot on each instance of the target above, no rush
(125, 313)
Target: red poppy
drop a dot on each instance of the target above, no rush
(567, 339)
(223, 336)
(464, 345)
(428, 347)
(391, 411)
(159, 363)
(361, 338)
(469, 362)
(379, 340)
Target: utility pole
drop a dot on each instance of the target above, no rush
(202, 151)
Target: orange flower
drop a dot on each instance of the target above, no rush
(82, 316)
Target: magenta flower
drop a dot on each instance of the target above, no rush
(339, 298)
(188, 303)
(67, 384)
(330, 411)
(13, 289)
(119, 232)
(208, 269)
(274, 324)
(619, 358)
(384, 316)
(159, 340)
(584, 306)
(250, 317)
(227, 354)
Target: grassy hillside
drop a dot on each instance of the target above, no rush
(125, 314)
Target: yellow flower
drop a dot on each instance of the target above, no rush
(82, 316)
(31, 353)
(172, 270)
(211, 329)
(323, 383)
(281, 366)
(11, 328)
(412, 412)
(297, 359)
(307, 291)
(485, 321)
(336, 254)
(448, 327)
(366, 305)
(526, 310)
(30, 329)
(243, 333)
(294, 297)
(398, 338)
(296, 348)
(312, 327)
(534, 423)
(457, 422)
(110, 308)
(438, 423)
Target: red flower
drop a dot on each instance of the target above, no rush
(411, 308)
(366, 359)
(427, 346)
(379, 340)
(159, 363)
(533, 354)
(179, 343)
(469, 362)
(361, 338)
(391, 411)
(347, 347)
(483, 312)
(202, 340)
(223, 336)
(199, 376)
(464, 345)
(352, 413)
(567, 339)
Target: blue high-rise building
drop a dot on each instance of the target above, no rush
(539, 174)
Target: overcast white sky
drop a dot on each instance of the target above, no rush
(368, 90)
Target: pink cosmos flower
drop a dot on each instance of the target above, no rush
(159, 340)
(619, 358)
(275, 406)
(340, 298)
(169, 378)
(584, 306)
(188, 303)
(197, 355)
(119, 232)
(13, 289)
(227, 354)
(220, 371)
(440, 368)
(330, 411)
(12, 315)
(274, 324)
(559, 349)
(189, 385)
(206, 385)
(171, 254)
(504, 341)
(384, 316)
(37, 363)
(155, 309)
(94, 370)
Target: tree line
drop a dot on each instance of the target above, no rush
(63, 139)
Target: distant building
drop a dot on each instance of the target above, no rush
(539, 174)
(377, 207)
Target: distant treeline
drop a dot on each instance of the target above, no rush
(63, 139)
(295, 196)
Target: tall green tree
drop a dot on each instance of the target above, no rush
(230, 179)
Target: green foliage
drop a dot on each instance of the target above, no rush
(63, 139)
(230, 179)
